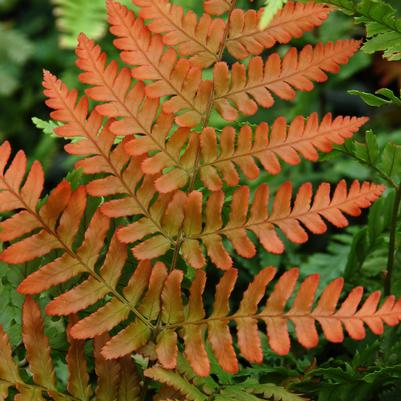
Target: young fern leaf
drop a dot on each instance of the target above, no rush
(351, 315)
(38, 355)
(75, 16)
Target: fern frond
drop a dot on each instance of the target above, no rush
(58, 222)
(246, 38)
(200, 40)
(76, 16)
(244, 88)
(235, 392)
(177, 382)
(383, 25)
(169, 76)
(58, 219)
(38, 355)
(222, 155)
(351, 315)
(254, 216)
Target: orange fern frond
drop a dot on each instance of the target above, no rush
(186, 211)
(200, 40)
(292, 21)
(244, 88)
(145, 285)
(351, 315)
(222, 155)
(158, 292)
(56, 226)
(291, 220)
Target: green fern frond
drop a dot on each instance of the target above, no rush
(246, 391)
(76, 16)
(383, 25)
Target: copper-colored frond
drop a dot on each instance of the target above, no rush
(304, 312)
(306, 212)
(223, 155)
(245, 88)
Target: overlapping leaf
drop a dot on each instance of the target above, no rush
(38, 355)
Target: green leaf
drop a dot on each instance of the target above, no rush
(383, 25)
(391, 160)
(76, 16)
(368, 151)
(386, 97)
(47, 127)
(271, 9)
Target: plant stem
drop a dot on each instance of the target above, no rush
(391, 248)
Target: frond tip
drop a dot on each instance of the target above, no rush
(350, 316)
